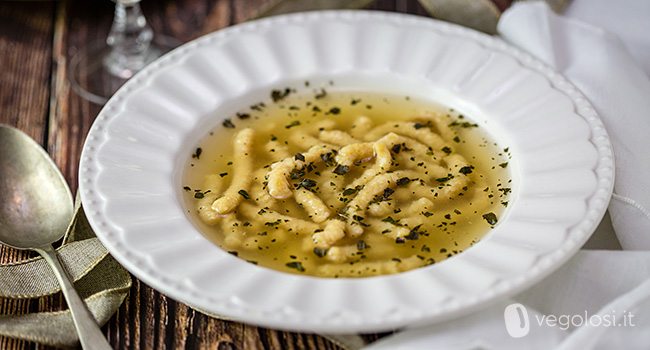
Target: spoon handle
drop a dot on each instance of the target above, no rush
(90, 335)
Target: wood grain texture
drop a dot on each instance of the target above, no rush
(26, 32)
(25, 50)
(37, 40)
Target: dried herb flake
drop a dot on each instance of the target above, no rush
(320, 252)
(466, 170)
(307, 183)
(341, 169)
(419, 125)
(197, 153)
(403, 181)
(296, 265)
(278, 95)
(390, 220)
(292, 124)
(228, 124)
(491, 218)
(361, 245)
(321, 94)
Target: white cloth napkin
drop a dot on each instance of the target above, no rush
(628, 19)
(600, 299)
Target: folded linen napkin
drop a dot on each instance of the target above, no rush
(99, 279)
(599, 299)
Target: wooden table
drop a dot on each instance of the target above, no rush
(37, 40)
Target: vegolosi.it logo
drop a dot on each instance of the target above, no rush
(517, 322)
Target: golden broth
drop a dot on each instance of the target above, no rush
(400, 229)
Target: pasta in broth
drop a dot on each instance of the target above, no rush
(346, 184)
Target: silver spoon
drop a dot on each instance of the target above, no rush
(36, 208)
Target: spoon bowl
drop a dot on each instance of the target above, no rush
(36, 208)
(37, 205)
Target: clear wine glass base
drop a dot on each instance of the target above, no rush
(95, 73)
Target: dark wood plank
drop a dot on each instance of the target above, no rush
(26, 48)
(78, 24)
(26, 31)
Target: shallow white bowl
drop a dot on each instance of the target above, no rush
(131, 166)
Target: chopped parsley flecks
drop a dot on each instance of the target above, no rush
(428, 196)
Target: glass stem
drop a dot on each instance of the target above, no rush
(129, 40)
